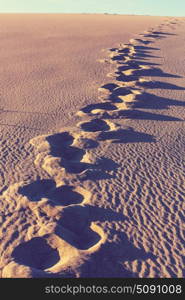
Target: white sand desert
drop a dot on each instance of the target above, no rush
(92, 146)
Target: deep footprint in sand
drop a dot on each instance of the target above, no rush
(121, 93)
(58, 139)
(145, 42)
(36, 253)
(41, 256)
(52, 142)
(70, 153)
(76, 229)
(58, 153)
(61, 145)
(49, 254)
(95, 125)
(96, 108)
(115, 89)
(109, 87)
(63, 195)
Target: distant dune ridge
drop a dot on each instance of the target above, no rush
(92, 147)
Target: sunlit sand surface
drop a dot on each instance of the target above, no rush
(92, 146)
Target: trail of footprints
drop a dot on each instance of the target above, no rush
(52, 216)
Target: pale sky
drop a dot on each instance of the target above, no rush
(143, 7)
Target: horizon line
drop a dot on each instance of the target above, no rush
(90, 13)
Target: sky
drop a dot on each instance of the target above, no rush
(141, 7)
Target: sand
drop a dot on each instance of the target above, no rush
(92, 146)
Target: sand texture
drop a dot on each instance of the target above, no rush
(92, 146)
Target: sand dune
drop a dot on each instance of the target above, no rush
(99, 191)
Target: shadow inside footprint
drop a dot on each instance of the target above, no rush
(145, 42)
(95, 125)
(102, 165)
(102, 106)
(59, 142)
(118, 57)
(60, 138)
(82, 240)
(100, 170)
(71, 153)
(68, 153)
(74, 228)
(36, 253)
(75, 224)
(109, 86)
(77, 167)
(37, 190)
(63, 195)
(121, 91)
(126, 78)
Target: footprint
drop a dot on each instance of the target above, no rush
(124, 53)
(116, 57)
(57, 167)
(145, 42)
(70, 153)
(131, 98)
(37, 190)
(58, 153)
(130, 71)
(63, 195)
(128, 68)
(120, 91)
(127, 48)
(122, 94)
(96, 108)
(63, 138)
(43, 256)
(76, 229)
(126, 78)
(109, 87)
(36, 253)
(54, 141)
(71, 194)
(96, 125)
